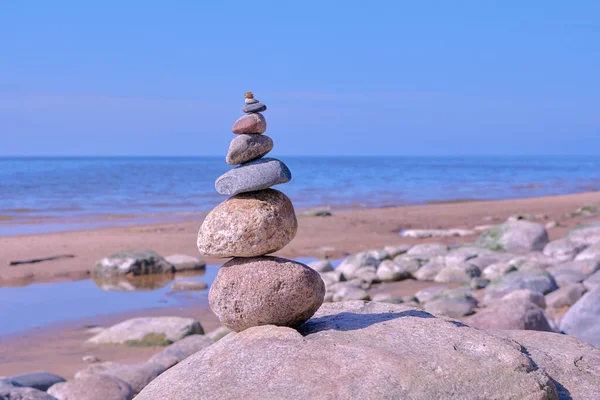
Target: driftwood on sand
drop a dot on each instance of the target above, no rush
(37, 260)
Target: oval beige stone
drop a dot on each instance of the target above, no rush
(248, 225)
(258, 291)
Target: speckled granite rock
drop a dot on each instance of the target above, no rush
(248, 225)
(358, 350)
(265, 291)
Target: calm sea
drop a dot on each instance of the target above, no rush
(49, 194)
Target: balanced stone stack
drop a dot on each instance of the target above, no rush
(253, 289)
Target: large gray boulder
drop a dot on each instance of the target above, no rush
(93, 387)
(592, 281)
(573, 365)
(588, 234)
(583, 319)
(180, 350)
(38, 380)
(459, 273)
(511, 314)
(428, 293)
(429, 270)
(452, 303)
(148, 331)
(428, 250)
(497, 270)
(535, 280)
(132, 262)
(527, 295)
(515, 237)
(460, 255)
(565, 275)
(563, 249)
(389, 271)
(357, 350)
(565, 296)
(591, 253)
(136, 375)
(352, 264)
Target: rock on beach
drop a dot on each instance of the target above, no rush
(377, 351)
(256, 291)
(148, 331)
(255, 175)
(245, 148)
(248, 225)
(254, 123)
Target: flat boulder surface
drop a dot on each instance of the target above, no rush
(574, 365)
(148, 331)
(515, 237)
(265, 290)
(358, 350)
(248, 225)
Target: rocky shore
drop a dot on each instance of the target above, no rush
(516, 311)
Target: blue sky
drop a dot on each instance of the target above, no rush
(347, 78)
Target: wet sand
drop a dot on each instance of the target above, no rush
(60, 348)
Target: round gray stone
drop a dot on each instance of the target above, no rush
(255, 175)
(254, 107)
(247, 147)
(93, 387)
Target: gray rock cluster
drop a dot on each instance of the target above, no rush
(254, 289)
(538, 285)
(373, 350)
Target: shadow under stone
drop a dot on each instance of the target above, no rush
(347, 321)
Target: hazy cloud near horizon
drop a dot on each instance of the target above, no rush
(386, 78)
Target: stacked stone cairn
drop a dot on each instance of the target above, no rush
(252, 288)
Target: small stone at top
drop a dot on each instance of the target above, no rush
(249, 95)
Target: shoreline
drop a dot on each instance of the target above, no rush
(45, 224)
(344, 232)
